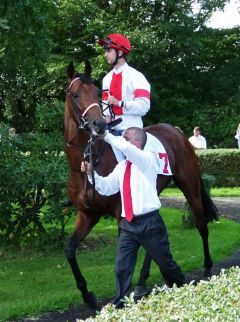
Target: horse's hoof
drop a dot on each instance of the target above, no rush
(90, 299)
(140, 291)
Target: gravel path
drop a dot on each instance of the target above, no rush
(228, 207)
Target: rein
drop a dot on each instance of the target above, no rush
(87, 155)
(107, 106)
(90, 154)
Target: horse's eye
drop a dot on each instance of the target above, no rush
(75, 95)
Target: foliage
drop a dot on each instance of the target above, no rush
(223, 164)
(214, 300)
(25, 44)
(33, 171)
(217, 86)
(188, 219)
(193, 70)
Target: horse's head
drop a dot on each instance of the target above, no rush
(83, 101)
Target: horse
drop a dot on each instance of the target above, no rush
(84, 124)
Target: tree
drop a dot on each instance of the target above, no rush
(192, 69)
(218, 85)
(25, 46)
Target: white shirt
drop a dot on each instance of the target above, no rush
(237, 136)
(143, 177)
(134, 91)
(199, 142)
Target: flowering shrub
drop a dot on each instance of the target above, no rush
(213, 300)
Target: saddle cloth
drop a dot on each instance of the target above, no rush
(155, 146)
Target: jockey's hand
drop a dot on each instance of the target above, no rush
(112, 100)
(85, 167)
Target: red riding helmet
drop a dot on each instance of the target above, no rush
(117, 41)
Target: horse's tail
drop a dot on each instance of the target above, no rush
(210, 210)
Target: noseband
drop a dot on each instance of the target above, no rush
(80, 116)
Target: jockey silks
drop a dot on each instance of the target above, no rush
(130, 86)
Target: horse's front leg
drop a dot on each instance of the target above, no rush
(83, 225)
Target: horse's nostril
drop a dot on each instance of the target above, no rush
(100, 124)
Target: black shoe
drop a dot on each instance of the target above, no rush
(140, 291)
(117, 304)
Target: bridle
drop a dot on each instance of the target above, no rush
(82, 122)
(83, 125)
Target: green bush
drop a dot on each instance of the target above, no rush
(188, 219)
(214, 300)
(223, 164)
(33, 175)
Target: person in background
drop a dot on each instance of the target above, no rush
(197, 140)
(237, 136)
(141, 225)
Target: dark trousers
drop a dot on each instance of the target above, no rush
(150, 232)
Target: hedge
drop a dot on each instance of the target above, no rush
(223, 164)
(216, 300)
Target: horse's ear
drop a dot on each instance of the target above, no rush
(71, 71)
(88, 68)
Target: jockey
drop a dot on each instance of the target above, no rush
(128, 91)
(125, 88)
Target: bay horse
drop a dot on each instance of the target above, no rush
(84, 123)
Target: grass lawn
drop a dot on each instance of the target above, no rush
(215, 192)
(33, 282)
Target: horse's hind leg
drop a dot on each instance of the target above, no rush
(191, 187)
(207, 257)
(83, 225)
(197, 208)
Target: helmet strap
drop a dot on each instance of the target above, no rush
(117, 56)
